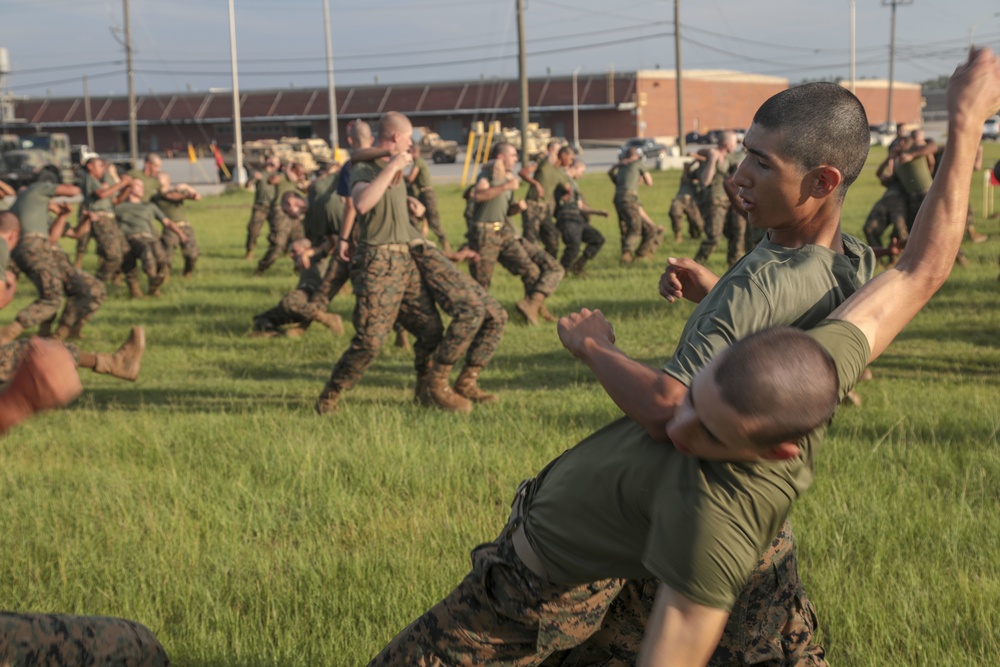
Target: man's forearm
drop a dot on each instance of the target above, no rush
(370, 195)
(645, 394)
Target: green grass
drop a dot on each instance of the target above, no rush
(209, 502)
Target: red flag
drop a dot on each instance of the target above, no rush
(995, 174)
(219, 162)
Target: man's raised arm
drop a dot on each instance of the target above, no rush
(886, 304)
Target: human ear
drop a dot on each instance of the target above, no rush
(786, 450)
(825, 181)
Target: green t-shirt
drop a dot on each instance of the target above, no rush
(915, 176)
(324, 216)
(151, 184)
(770, 286)
(423, 179)
(627, 177)
(175, 210)
(264, 191)
(620, 504)
(32, 208)
(492, 210)
(283, 186)
(4, 258)
(91, 202)
(137, 217)
(388, 221)
(550, 176)
(723, 171)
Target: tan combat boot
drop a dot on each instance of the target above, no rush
(577, 267)
(327, 403)
(62, 332)
(627, 257)
(134, 290)
(439, 392)
(10, 332)
(331, 321)
(543, 312)
(467, 385)
(126, 361)
(529, 305)
(402, 342)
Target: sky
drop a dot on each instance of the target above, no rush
(184, 44)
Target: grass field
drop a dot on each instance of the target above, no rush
(209, 502)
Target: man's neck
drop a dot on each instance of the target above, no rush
(822, 229)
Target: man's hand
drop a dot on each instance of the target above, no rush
(45, 379)
(513, 183)
(686, 279)
(465, 254)
(344, 250)
(539, 190)
(400, 161)
(577, 330)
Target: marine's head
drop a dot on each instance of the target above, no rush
(10, 228)
(757, 399)
(505, 154)
(153, 164)
(395, 132)
(96, 167)
(565, 156)
(359, 134)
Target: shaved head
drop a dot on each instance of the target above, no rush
(391, 123)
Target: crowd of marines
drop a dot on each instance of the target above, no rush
(368, 222)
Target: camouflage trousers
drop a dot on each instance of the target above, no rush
(296, 307)
(258, 215)
(61, 640)
(538, 227)
(189, 247)
(773, 623)
(713, 211)
(577, 231)
(501, 615)
(495, 241)
(285, 231)
(685, 206)
(13, 352)
(387, 287)
(55, 278)
(736, 235)
(334, 278)
(637, 234)
(148, 250)
(889, 212)
(429, 199)
(478, 319)
(111, 245)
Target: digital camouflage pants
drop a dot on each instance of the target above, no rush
(637, 234)
(189, 248)
(55, 278)
(285, 231)
(111, 245)
(538, 227)
(387, 287)
(495, 241)
(478, 319)
(889, 212)
(258, 216)
(713, 211)
(686, 206)
(61, 640)
(13, 352)
(296, 307)
(577, 231)
(772, 624)
(736, 235)
(148, 250)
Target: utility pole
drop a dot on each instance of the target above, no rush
(853, 79)
(331, 92)
(86, 114)
(576, 113)
(133, 131)
(892, 52)
(522, 73)
(239, 174)
(679, 77)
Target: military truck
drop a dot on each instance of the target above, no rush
(433, 146)
(538, 137)
(314, 153)
(38, 157)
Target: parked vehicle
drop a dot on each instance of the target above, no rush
(39, 157)
(649, 149)
(991, 130)
(433, 146)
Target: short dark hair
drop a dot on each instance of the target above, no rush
(820, 123)
(782, 378)
(499, 148)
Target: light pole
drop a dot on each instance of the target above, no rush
(331, 92)
(576, 114)
(892, 51)
(241, 177)
(972, 28)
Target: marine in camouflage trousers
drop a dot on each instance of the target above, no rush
(61, 640)
(428, 198)
(495, 241)
(683, 206)
(296, 307)
(13, 353)
(387, 287)
(576, 230)
(285, 230)
(189, 247)
(478, 319)
(736, 235)
(639, 238)
(258, 215)
(538, 227)
(111, 244)
(773, 623)
(55, 278)
(149, 250)
(713, 211)
(889, 212)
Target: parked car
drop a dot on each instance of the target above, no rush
(991, 130)
(649, 149)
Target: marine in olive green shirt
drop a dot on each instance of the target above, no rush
(627, 176)
(548, 176)
(136, 218)
(32, 208)
(389, 220)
